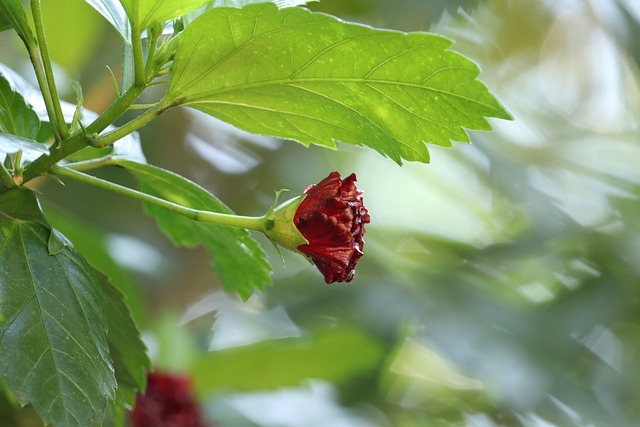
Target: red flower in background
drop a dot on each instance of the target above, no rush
(331, 218)
(168, 402)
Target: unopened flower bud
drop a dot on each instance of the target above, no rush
(325, 224)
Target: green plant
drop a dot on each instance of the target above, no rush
(68, 343)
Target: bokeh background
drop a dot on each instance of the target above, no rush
(500, 284)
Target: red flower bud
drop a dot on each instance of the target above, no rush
(167, 402)
(329, 223)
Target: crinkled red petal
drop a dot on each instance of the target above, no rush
(330, 245)
(331, 217)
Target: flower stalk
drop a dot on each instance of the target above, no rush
(325, 224)
(237, 221)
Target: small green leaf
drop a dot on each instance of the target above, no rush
(127, 350)
(335, 355)
(77, 113)
(113, 12)
(149, 12)
(16, 115)
(11, 12)
(309, 77)
(237, 257)
(53, 329)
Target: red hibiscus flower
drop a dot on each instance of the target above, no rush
(329, 218)
(167, 402)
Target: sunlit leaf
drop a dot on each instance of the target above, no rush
(236, 256)
(241, 3)
(188, 18)
(315, 79)
(113, 11)
(11, 144)
(31, 150)
(11, 12)
(149, 12)
(335, 355)
(16, 115)
(53, 328)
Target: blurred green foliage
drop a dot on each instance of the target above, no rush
(499, 285)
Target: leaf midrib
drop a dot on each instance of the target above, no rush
(333, 80)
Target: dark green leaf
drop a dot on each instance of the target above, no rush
(127, 350)
(16, 115)
(113, 12)
(11, 12)
(237, 257)
(150, 12)
(91, 241)
(335, 355)
(4, 22)
(53, 329)
(312, 78)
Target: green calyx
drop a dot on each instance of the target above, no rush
(279, 226)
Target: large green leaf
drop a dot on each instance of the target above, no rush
(53, 328)
(312, 78)
(334, 355)
(190, 17)
(11, 12)
(149, 12)
(16, 115)
(237, 257)
(128, 352)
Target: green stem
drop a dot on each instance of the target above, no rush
(152, 41)
(81, 140)
(57, 152)
(54, 108)
(38, 67)
(5, 176)
(247, 222)
(138, 62)
(131, 126)
(85, 165)
(115, 110)
(136, 44)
